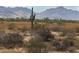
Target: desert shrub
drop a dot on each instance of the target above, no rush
(45, 34)
(57, 44)
(11, 26)
(37, 26)
(76, 43)
(36, 46)
(12, 40)
(2, 35)
(24, 29)
(39, 41)
(69, 42)
(66, 44)
(77, 30)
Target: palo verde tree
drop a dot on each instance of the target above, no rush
(32, 18)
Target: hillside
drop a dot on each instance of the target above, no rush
(60, 12)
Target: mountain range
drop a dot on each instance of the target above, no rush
(8, 12)
(58, 12)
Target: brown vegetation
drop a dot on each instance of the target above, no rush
(43, 38)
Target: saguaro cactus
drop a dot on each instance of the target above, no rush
(32, 18)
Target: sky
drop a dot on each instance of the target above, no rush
(39, 9)
(36, 3)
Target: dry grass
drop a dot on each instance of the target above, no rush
(20, 25)
(5, 25)
(71, 25)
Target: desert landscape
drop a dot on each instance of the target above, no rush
(44, 35)
(18, 36)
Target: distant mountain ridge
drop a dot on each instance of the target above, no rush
(58, 12)
(8, 12)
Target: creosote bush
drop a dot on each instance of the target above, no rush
(45, 34)
(12, 40)
(66, 44)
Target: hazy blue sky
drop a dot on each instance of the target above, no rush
(42, 8)
(39, 3)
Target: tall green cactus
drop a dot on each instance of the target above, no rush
(32, 18)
